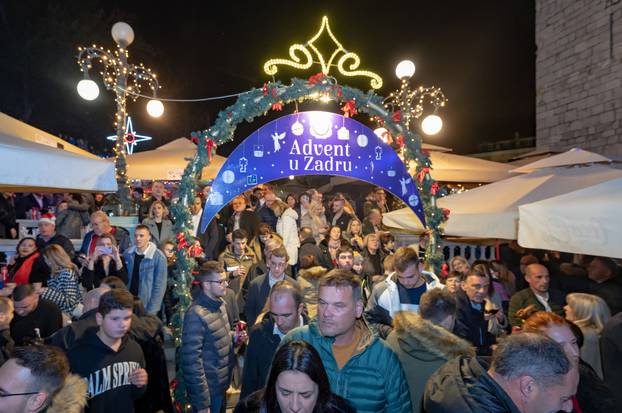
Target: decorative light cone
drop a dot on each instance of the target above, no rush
(155, 108)
(405, 69)
(122, 33)
(432, 124)
(87, 89)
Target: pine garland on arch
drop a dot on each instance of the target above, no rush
(257, 102)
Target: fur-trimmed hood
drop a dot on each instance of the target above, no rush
(71, 398)
(422, 339)
(312, 273)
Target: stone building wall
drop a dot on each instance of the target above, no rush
(579, 75)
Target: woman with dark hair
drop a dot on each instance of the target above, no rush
(27, 265)
(297, 383)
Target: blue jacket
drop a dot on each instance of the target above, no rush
(152, 276)
(372, 380)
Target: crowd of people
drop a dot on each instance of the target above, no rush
(304, 303)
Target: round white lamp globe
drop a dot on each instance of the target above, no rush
(432, 124)
(155, 108)
(405, 69)
(122, 34)
(87, 89)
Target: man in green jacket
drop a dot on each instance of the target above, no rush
(537, 297)
(360, 366)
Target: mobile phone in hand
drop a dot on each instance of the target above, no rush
(105, 250)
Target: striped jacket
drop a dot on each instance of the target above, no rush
(63, 289)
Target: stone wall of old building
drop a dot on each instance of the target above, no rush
(579, 75)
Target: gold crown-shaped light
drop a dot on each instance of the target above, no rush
(270, 67)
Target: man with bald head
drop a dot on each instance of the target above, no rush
(537, 297)
(68, 335)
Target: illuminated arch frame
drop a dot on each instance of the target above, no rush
(255, 103)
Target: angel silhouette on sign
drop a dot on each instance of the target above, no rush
(276, 137)
(405, 182)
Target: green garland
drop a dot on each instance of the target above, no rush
(255, 103)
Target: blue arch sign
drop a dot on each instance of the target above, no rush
(311, 143)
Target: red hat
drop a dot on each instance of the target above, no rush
(48, 217)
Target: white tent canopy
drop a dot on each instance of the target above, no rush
(26, 166)
(168, 162)
(583, 222)
(447, 167)
(574, 156)
(13, 127)
(491, 211)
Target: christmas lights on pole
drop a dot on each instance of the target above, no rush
(125, 80)
(411, 102)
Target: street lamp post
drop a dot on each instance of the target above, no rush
(411, 102)
(125, 80)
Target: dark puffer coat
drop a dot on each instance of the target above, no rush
(463, 385)
(207, 357)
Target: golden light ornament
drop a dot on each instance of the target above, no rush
(302, 58)
(155, 108)
(432, 124)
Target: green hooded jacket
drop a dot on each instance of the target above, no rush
(372, 380)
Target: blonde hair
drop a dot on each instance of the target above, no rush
(349, 228)
(102, 215)
(57, 259)
(458, 258)
(590, 310)
(279, 207)
(164, 214)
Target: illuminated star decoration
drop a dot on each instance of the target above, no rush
(131, 138)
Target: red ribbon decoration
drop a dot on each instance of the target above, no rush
(195, 140)
(396, 116)
(210, 145)
(316, 78)
(339, 92)
(349, 109)
(273, 92)
(444, 270)
(265, 89)
(399, 140)
(422, 173)
(446, 213)
(434, 188)
(181, 241)
(277, 106)
(425, 152)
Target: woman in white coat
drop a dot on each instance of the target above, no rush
(287, 229)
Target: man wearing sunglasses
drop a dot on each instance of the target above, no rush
(37, 378)
(207, 356)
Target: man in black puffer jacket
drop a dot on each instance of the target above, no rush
(207, 356)
(529, 373)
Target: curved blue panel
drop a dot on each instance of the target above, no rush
(311, 143)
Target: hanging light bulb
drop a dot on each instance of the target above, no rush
(155, 108)
(87, 89)
(432, 124)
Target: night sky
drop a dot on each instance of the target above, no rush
(481, 53)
